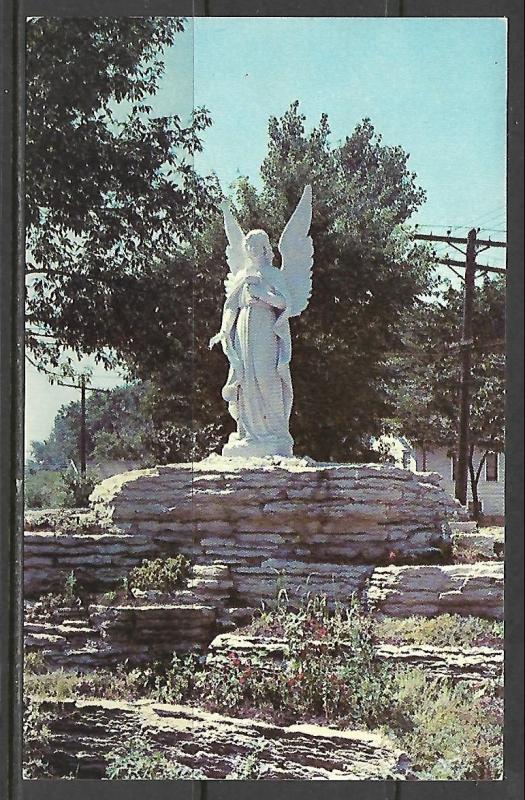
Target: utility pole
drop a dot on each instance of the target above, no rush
(474, 246)
(82, 436)
(83, 439)
(462, 462)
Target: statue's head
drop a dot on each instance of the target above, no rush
(258, 248)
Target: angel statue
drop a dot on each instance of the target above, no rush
(255, 332)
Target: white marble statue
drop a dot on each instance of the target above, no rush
(255, 332)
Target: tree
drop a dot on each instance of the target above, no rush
(112, 199)
(366, 274)
(126, 423)
(429, 374)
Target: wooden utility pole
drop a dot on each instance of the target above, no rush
(474, 246)
(82, 434)
(83, 438)
(462, 460)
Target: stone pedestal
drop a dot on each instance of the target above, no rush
(284, 522)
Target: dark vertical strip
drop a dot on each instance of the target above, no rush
(7, 106)
(19, 407)
(514, 508)
(11, 398)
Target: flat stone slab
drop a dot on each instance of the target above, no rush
(473, 664)
(108, 635)
(98, 560)
(82, 733)
(465, 589)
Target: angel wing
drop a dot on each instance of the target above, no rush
(235, 255)
(296, 249)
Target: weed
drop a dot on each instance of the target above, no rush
(35, 738)
(248, 767)
(137, 760)
(56, 684)
(160, 574)
(450, 731)
(70, 588)
(34, 663)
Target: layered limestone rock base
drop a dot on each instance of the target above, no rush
(318, 528)
(478, 544)
(152, 625)
(82, 733)
(99, 561)
(465, 589)
(106, 636)
(473, 664)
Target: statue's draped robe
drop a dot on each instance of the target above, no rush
(258, 347)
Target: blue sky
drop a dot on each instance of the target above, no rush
(437, 87)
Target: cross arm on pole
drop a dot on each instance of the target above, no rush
(452, 240)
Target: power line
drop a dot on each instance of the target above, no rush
(495, 212)
(433, 226)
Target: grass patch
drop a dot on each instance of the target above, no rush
(446, 630)
(451, 732)
(56, 684)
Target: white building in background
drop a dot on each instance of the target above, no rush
(491, 486)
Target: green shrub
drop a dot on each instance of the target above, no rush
(450, 731)
(316, 677)
(44, 489)
(160, 574)
(445, 630)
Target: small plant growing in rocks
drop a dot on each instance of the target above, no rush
(50, 605)
(78, 488)
(34, 664)
(70, 593)
(138, 760)
(36, 735)
(248, 767)
(163, 575)
(315, 678)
